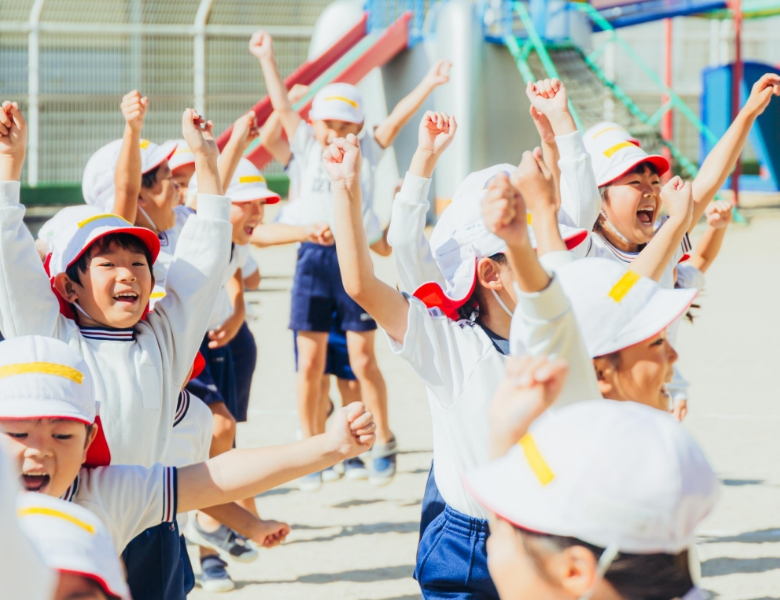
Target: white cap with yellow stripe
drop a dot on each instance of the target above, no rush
(181, 156)
(338, 102)
(614, 153)
(72, 539)
(44, 378)
(248, 184)
(612, 474)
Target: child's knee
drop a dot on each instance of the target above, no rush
(363, 363)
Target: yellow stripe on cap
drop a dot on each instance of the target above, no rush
(42, 368)
(617, 148)
(528, 218)
(535, 460)
(103, 216)
(605, 130)
(182, 151)
(352, 103)
(57, 514)
(251, 179)
(144, 144)
(156, 295)
(623, 286)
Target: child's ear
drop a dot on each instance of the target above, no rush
(92, 431)
(488, 274)
(66, 288)
(604, 375)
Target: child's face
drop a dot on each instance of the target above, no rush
(159, 200)
(77, 587)
(327, 131)
(641, 373)
(48, 452)
(115, 289)
(181, 177)
(632, 205)
(245, 216)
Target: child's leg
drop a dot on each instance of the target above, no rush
(362, 357)
(312, 349)
(349, 390)
(244, 352)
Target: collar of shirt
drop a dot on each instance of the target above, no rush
(501, 344)
(108, 334)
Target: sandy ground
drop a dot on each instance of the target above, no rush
(353, 541)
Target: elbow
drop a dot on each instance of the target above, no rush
(356, 289)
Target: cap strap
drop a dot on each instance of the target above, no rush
(57, 514)
(42, 368)
(535, 460)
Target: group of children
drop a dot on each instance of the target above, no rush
(540, 315)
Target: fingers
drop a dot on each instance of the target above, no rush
(16, 114)
(355, 410)
(363, 424)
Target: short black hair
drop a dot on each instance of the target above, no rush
(149, 178)
(125, 241)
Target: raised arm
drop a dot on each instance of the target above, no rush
(411, 251)
(548, 151)
(387, 306)
(718, 218)
(127, 177)
(245, 130)
(276, 234)
(721, 160)
(271, 134)
(386, 133)
(27, 304)
(261, 46)
(654, 259)
(248, 472)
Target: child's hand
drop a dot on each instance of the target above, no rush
(320, 233)
(271, 533)
(536, 184)
(133, 108)
(530, 388)
(13, 141)
(719, 214)
(437, 130)
(680, 409)
(297, 92)
(342, 160)
(548, 96)
(353, 430)
(677, 197)
(503, 210)
(438, 74)
(761, 94)
(261, 45)
(198, 134)
(245, 130)
(543, 126)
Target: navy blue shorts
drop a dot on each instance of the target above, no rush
(337, 358)
(244, 352)
(158, 566)
(452, 555)
(318, 298)
(217, 382)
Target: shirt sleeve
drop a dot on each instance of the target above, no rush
(371, 150)
(27, 304)
(304, 137)
(373, 227)
(181, 318)
(544, 324)
(129, 499)
(689, 277)
(411, 251)
(250, 267)
(580, 198)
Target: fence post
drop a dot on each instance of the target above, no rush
(33, 88)
(199, 55)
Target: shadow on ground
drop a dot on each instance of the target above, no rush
(715, 567)
(356, 575)
(367, 529)
(761, 536)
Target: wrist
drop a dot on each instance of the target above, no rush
(11, 167)
(133, 131)
(423, 163)
(561, 122)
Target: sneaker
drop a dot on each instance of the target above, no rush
(214, 576)
(310, 483)
(383, 463)
(330, 474)
(355, 468)
(228, 544)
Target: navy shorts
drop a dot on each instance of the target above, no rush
(244, 353)
(318, 298)
(217, 382)
(452, 555)
(337, 358)
(158, 566)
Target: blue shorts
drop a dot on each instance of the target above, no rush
(217, 382)
(318, 298)
(158, 566)
(244, 353)
(452, 555)
(337, 358)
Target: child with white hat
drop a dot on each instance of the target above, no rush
(598, 500)
(182, 166)
(317, 294)
(460, 359)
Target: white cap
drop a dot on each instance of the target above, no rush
(248, 184)
(338, 102)
(73, 540)
(181, 156)
(97, 182)
(51, 228)
(460, 238)
(606, 472)
(612, 156)
(44, 378)
(76, 236)
(605, 127)
(615, 308)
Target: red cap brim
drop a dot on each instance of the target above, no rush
(659, 162)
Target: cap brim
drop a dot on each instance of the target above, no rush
(107, 589)
(659, 162)
(249, 195)
(25, 408)
(162, 153)
(665, 307)
(434, 296)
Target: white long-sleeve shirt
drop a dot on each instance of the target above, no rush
(137, 373)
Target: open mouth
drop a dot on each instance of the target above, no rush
(35, 482)
(646, 215)
(665, 392)
(128, 297)
(249, 229)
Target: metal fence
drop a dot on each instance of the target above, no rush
(68, 63)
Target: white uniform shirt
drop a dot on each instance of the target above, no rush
(128, 499)
(137, 373)
(168, 240)
(224, 308)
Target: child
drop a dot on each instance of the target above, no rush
(555, 531)
(182, 166)
(460, 361)
(336, 111)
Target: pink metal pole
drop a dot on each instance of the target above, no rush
(667, 124)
